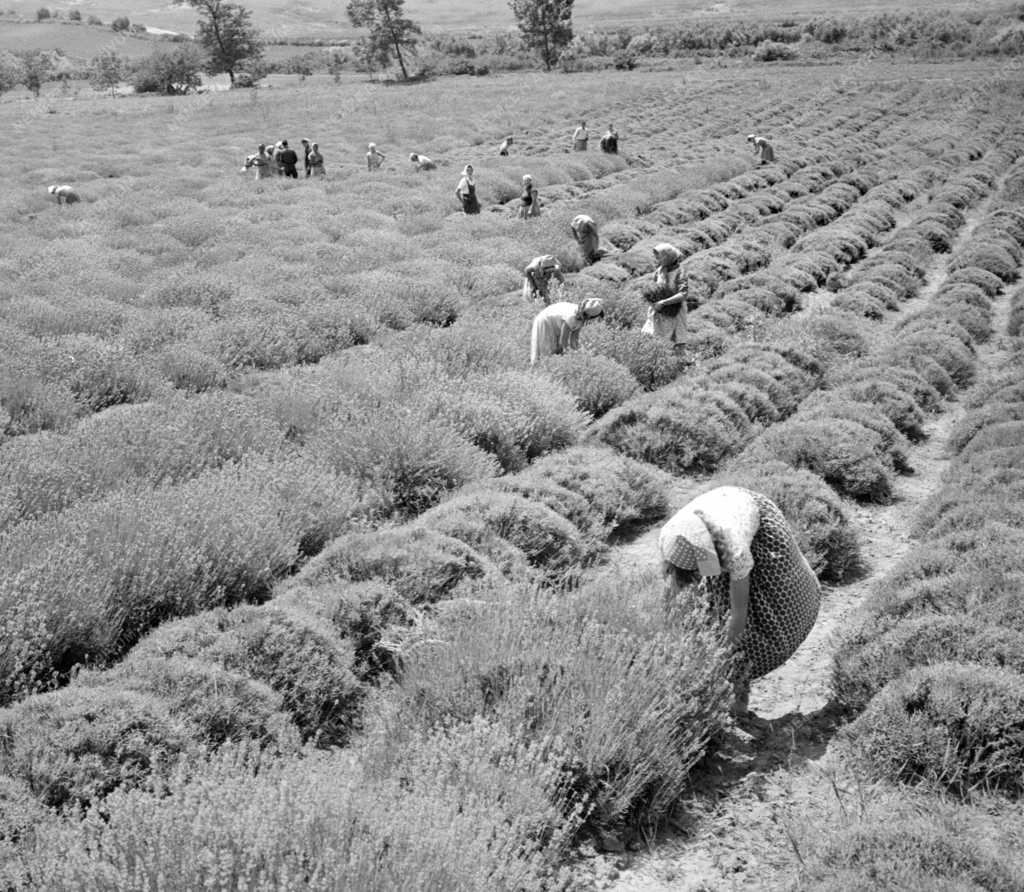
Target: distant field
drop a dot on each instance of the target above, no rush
(82, 41)
(320, 18)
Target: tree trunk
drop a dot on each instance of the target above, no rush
(394, 41)
(231, 77)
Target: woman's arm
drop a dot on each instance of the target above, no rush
(739, 601)
(574, 340)
(564, 337)
(676, 298)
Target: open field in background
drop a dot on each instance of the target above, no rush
(319, 19)
(290, 529)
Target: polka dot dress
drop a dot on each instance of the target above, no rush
(784, 596)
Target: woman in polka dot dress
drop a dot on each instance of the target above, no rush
(755, 576)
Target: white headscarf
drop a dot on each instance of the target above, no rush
(667, 254)
(686, 542)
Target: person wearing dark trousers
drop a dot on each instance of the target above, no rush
(288, 159)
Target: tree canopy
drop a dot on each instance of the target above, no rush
(390, 31)
(546, 26)
(228, 36)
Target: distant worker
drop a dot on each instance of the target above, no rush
(288, 160)
(556, 328)
(465, 192)
(584, 230)
(666, 313)
(538, 275)
(374, 159)
(580, 137)
(505, 143)
(757, 581)
(307, 147)
(316, 161)
(261, 162)
(64, 194)
(529, 200)
(762, 148)
(422, 162)
(610, 141)
(276, 155)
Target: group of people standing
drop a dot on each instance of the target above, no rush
(281, 160)
(609, 142)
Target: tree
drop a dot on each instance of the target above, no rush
(227, 35)
(42, 14)
(169, 71)
(546, 26)
(390, 31)
(12, 71)
(37, 70)
(106, 70)
(121, 23)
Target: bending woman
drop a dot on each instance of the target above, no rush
(756, 578)
(538, 275)
(584, 230)
(556, 328)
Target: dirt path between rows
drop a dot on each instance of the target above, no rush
(727, 835)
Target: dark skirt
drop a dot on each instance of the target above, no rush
(784, 597)
(469, 203)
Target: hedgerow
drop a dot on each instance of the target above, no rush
(295, 654)
(151, 444)
(892, 838)
(550, 542)
(74, 746)
(953, 724)
(879, 652)
(419, 563)
(472, 808)
(634, 709)
(86, 583)
(651, 361)
(848, 456)
(403, 454)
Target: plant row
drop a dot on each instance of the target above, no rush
(934, 666)
(662, 427)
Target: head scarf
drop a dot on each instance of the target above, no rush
(751, 137)
(667, 254)
(527, 178)
(467, 172)
(591, 307)
(372, 147)
(686, 542)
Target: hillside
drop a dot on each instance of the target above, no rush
(320, 18)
